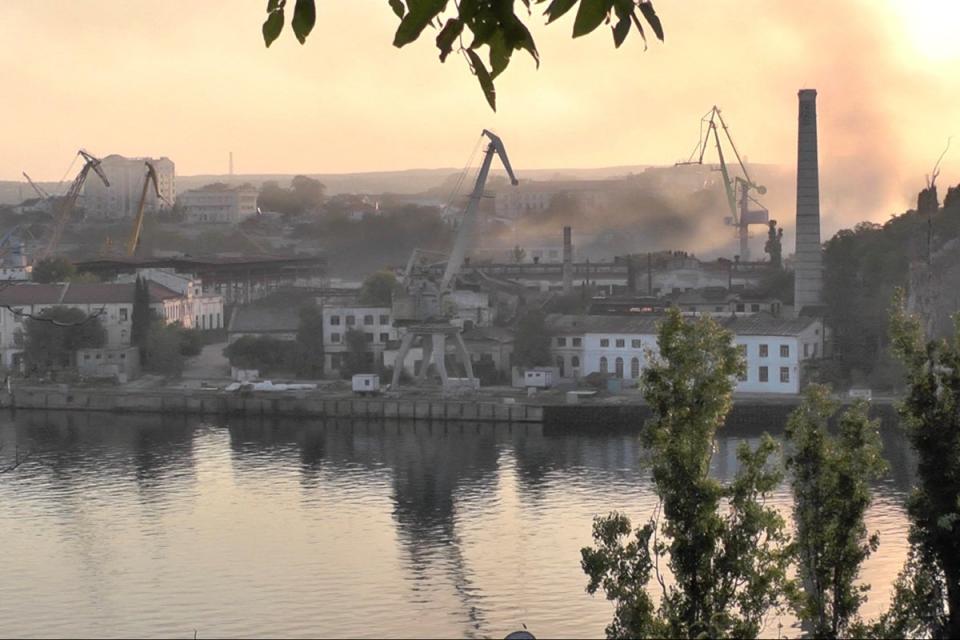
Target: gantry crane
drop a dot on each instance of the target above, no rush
(66, 204)
(737, 188)
(422, 306)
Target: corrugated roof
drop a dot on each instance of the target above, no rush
(76, 293)
(30, 293)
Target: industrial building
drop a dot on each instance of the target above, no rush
(219, 203)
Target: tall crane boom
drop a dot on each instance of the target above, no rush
(40, 191)
(465, 229)
(737, 189)
(67, 203)
(151, 177)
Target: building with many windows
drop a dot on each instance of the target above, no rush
(774, 348)
(219, 203)
(343, 316)
(122, 197)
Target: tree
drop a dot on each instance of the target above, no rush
(519, 254)
(830, 481)
(162, 351)
(141, 315)
(728, 565)
(308, 192)
(56, 333)
(309, 352)
(774, 245)
(532, 345)
(262, 353)
(55, 269)
(358, 356)
(377, 290)
(932, 420)
(491, 24)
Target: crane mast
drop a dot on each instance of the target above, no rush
(69, 201)
(420, 307)
(151, 177)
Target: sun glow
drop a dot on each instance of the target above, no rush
(931, 27)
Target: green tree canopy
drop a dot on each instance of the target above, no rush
(468, 26)
(723, 545)
(55, 269)
(309, 349)
(162, 351)
(532, 345)
(831, 486)
(56, 333)
(378, 288)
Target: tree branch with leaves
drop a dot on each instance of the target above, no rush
(467, 26)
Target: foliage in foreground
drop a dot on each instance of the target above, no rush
(495, 25)
(725, 549)
(830, 482)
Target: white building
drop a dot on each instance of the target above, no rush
(201, 309)
(126, 176)
(375, 323)
(534, 196)
(219, 203)
(112, 304)
(774, 348)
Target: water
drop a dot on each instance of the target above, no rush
(149, 526)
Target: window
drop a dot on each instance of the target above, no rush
(784, 351)
(604, 342)
(384, 337)
(123, 334)
(86, 356)
(718, 309)
(636, 344)
(603, 364)
(384, 318)
(755, 307)
(335, 320)
(764, 374)
(369, 337)
(123, 356)
(123, 314)
(806, 350)
(334, 338)
(575, 361)
(764, 352)
(618, 363)
(635, 368)
(560, 365)
(784, 374)
(577, 342)
(741, 307)
(621, 343)
(561, 342)
(368, 320)
(351, 320)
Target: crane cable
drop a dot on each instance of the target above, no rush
(460, 178)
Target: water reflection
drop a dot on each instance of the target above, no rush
(151, 524)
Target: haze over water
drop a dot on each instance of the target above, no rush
(142, 526)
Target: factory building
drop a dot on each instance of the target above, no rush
(219, 203)
(126, 177)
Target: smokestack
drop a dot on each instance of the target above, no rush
(567, 260)
(808, 260)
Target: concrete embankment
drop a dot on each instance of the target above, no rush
(748, 414)
(287, 404)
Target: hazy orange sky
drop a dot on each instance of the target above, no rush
(192, 81)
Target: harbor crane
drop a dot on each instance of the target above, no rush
(133, 243)
(422, 306)
(737, 188)
(40, 191)
(66, 204)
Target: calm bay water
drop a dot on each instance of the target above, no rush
(142, 525)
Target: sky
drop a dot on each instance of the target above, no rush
(193, 81)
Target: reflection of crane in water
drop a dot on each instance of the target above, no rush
(737, 188)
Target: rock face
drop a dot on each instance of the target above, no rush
(808, 260)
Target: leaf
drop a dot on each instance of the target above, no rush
(272, 26)
(447, 36)
(520, 38)
(486, 82)
(420, 14)
(304, 17)
(590, 15)
(636, 21)
(499, 53)
(557, 8)
(273, 5)
(646, 8)
(398, 7)
(620, 31)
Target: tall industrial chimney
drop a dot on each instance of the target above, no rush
(808, 260)
(567, 260)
